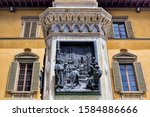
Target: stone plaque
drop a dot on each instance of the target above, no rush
(76, 68)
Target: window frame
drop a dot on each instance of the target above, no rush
(26, 58)
(127, 24)
(120, 35)
(30, 19)
(127, 76)
(23, 58)
(128, 58)
(25, 77)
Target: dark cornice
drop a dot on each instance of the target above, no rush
(101, 3)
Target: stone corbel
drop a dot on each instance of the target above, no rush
(75, 17)
(69, 17)
(63, 17)
(81, 17)
(94, 17)
(50, 17)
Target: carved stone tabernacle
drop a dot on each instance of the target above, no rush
(75, 31)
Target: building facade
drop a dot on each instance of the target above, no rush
(31, 34)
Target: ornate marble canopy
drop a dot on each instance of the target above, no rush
(75, 16)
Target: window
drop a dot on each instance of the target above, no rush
(24, 74)
(30, 27)
(128, 75)
(121, 28)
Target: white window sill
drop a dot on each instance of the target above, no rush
(22, 92)
(132, 92)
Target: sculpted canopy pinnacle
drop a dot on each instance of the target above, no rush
(75, 3)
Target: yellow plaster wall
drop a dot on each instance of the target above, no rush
(128, 44)
(143, 56)
(11, 22)
(140, 21)
(22, 43)
(141, 48)
(11, 27)
(141, 28)
(11, 44)
(6, 57)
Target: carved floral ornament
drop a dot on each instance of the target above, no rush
(98, 17)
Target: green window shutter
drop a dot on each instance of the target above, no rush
(12, 76)
(35, 76)
(139, 76)
(33, 29)
(129, 29)
(111, 33)
(27, 29)
(117, 76)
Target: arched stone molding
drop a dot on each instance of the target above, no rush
(95, 28)
(76, 28)
(84, 28)
(56, 28)
(26, 56)
(74, 16)
(66, 28)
